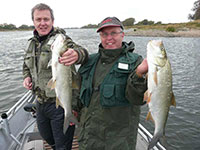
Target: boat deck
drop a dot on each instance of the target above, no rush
(42, 145)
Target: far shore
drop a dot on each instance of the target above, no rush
(162, 33)
(151, 32)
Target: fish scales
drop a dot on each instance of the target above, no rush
(159, 95)
(62, 80)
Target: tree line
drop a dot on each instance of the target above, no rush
(128, 22)
(131, 21)
(6, 26)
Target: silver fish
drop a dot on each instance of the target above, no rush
(62, 81)
(159, 95)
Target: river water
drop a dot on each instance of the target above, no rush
(183, 125)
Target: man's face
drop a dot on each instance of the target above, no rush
(111, 37)
(42, 21)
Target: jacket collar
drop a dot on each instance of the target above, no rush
(109, 55)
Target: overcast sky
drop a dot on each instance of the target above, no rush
(77, 13)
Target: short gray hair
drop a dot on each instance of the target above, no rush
(41, 6)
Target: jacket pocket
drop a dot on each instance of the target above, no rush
(84, 96)
(29, 60)
(120, 92)
(108, 91)
(45, 57)
(120, 76)
(113, 95)
(108, 97)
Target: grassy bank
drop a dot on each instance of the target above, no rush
(177, 26)
(188, 29)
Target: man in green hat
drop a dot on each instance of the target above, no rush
(112, 87)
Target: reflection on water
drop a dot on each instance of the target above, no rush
(183, 126)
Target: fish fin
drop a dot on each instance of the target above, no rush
(155, 77)
(68, 119)
(58, 102)
(145, 96)
(163, 141)
(173, 101)
(49, 63)
(73, 69)
(51, 84)
(149, 98)
(149, 117)
(154, 140)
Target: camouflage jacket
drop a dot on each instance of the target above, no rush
(115, 127)
(36, 59)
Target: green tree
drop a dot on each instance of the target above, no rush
(23, 26)
(9, 26)
(90, 26)
(145, 22)
(129, 22)
(196, 9)
(26, 27)
(159, 22)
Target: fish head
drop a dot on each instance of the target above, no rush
(58, 45)
(156, 52)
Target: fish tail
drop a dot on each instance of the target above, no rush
(154, 140)
(69, 119)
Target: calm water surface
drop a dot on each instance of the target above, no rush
(183, 126)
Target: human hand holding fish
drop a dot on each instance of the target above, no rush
(69, 57)
(142, 68)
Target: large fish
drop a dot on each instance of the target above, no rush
(62, 80)
(159, 95)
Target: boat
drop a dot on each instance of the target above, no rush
(18, 130)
